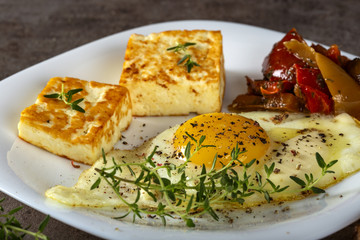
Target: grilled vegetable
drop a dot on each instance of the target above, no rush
(298, 77)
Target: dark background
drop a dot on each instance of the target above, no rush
(34, 30)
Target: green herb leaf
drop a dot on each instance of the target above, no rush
(11, 228)
(269, 170)
(267, 196)
(44, 223)
(189, 44)
(249, 164)
(192, 138)
(330, 164)
(183, 59)
(67, 98)
(96, 184)
(76, 102)
(259, 178)
(171, 195)
(15, 210)
(123, 216)
(77, 108)
(213, 163)
(103, 156)
(189, 206)
(54, 95)
(201, 140)
(317, 190)
(190, 223)
(180, 47)
(189, 64)
(73, 91)
(298, 181)
(187, 150)
(310, 181)
(320, 160)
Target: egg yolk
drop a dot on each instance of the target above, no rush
(224, 131)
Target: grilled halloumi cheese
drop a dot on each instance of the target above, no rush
(53, 125)
(159, 86)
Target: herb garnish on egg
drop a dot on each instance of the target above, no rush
(310, 181)
(213, 186)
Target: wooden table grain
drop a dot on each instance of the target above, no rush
(33, 31)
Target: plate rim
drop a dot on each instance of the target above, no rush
(208, 234)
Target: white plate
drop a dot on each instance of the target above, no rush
(26, 171)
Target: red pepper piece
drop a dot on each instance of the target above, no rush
(311, 77)
(314, 89)
(334, 54)
(278, 65)
(269, 89)
(272, 87)
(317, 101)
(74, 165)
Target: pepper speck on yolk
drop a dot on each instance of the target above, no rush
(224, 131)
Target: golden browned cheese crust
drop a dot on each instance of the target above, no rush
(54, 126)
(159, 86)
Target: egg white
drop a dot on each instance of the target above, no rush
(294, 142)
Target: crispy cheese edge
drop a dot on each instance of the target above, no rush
(77, 136)
(158, 86)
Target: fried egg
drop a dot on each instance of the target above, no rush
(288, 140)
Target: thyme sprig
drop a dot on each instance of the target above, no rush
(181, 47)
(66, 97)
(213, 187)
(189, 63)
(11, 228)
(309, 185)
(189, 197)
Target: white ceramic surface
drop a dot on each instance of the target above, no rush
(26, 171)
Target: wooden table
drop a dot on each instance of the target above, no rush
(33, 31)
